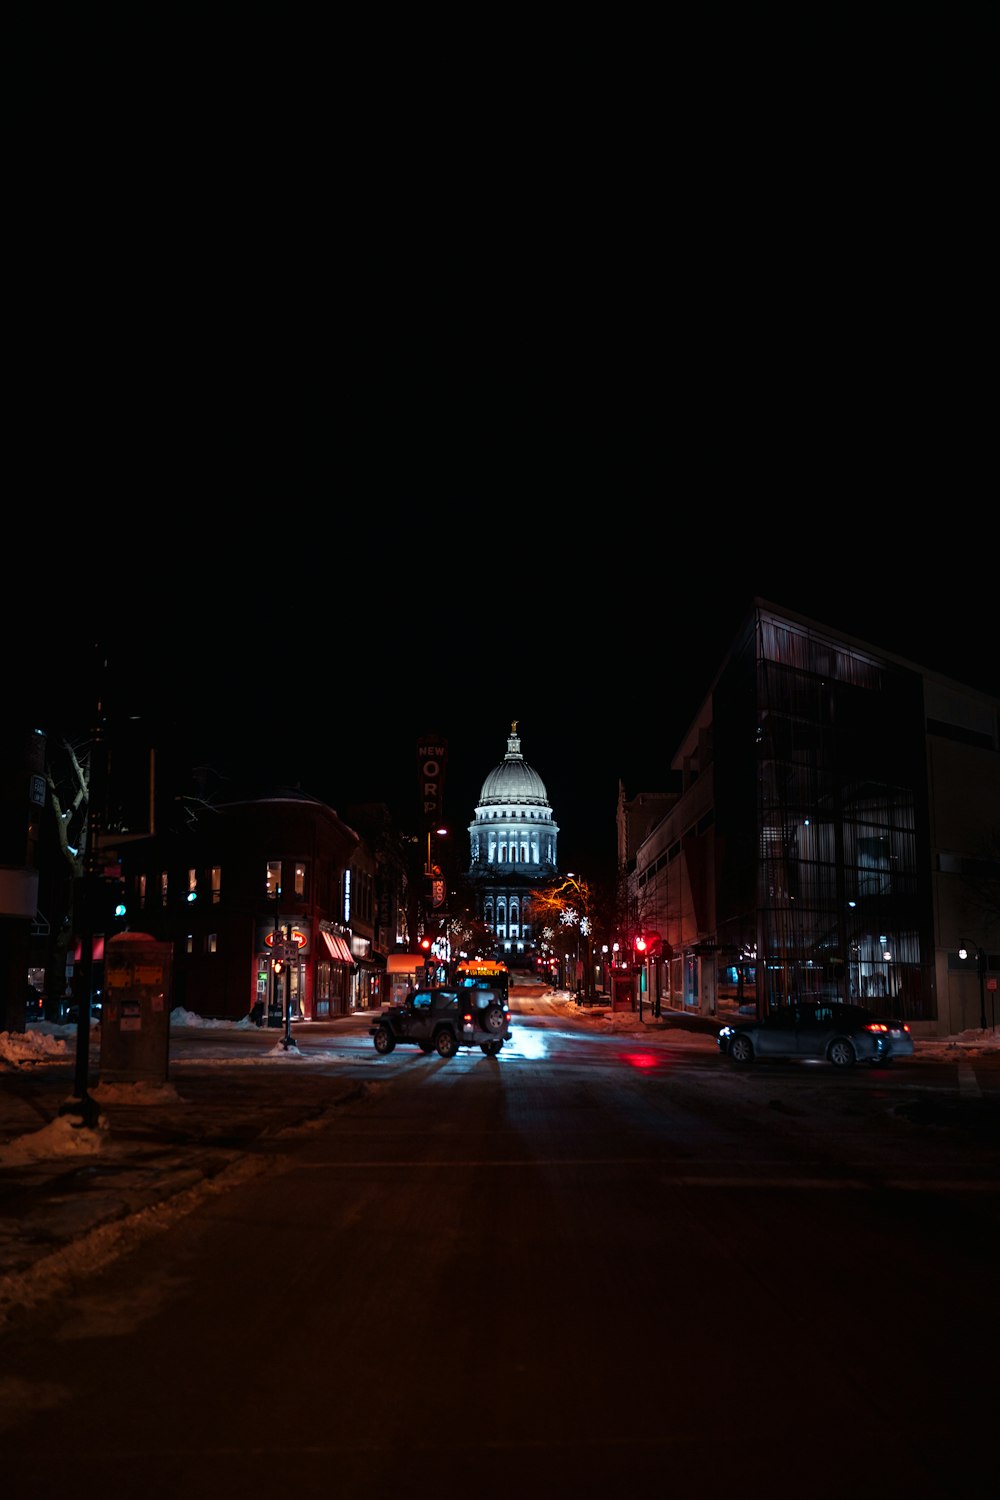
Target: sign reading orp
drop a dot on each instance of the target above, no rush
(432, 757)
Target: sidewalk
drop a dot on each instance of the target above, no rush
(72, 1195)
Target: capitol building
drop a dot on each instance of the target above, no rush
(513, 849)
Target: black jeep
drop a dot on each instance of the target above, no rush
(441, 1019)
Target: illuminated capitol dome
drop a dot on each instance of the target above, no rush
(513, 847)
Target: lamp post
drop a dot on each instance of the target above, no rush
(441, 833)
(963, 954)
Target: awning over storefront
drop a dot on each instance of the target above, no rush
(337, 948)
(96, 948)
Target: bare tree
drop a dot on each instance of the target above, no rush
(67, 775)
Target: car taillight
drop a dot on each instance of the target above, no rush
(876, 1026)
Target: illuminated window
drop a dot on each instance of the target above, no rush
(163, 887)
(189, 942)
(300, 881)
(192, 883)
(274, 877)
(142, 891)
(216, 884)
(213, 943)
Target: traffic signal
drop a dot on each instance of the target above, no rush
(113, 904)
(425, 945)
(648, 945)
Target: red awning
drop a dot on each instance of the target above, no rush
(337, 948)
(96, 948)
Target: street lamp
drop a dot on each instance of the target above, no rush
(963, 954)
(441, 833)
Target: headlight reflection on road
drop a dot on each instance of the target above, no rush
(528, 1042)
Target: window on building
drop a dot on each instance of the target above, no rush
(189, 943)
(216, 877)
(300, 881)
(347, 896)
(273, 877)
(163, 887)
(142, 892)
(212, 945)
(192, 885)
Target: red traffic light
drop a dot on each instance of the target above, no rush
(425, 945)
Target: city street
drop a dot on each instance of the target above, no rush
(600, 1260)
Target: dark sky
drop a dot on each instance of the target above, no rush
(602, 662)
(526, 446)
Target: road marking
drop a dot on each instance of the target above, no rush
(794, 1184)
(968, 1083)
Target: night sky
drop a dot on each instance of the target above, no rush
(524, 446)
(602, 668)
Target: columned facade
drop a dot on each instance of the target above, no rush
(513, 849)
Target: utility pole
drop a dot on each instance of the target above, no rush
(86, 909)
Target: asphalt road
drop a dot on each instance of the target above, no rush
(596, 1263)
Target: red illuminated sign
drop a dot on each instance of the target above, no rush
(296, 937)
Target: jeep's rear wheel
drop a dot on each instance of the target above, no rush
(493, 1019)
(445, 1043)
(491, 1048)
(384, 1040)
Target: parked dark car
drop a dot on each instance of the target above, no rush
(829, 1031)
(441, 1019)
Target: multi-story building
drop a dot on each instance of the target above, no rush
(248, 879)
(512, 842)
(835, 830)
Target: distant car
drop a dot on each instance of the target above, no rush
(441, 1019)
(840, 1034)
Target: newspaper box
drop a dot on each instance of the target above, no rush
(135, 1018)
(623, 989)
